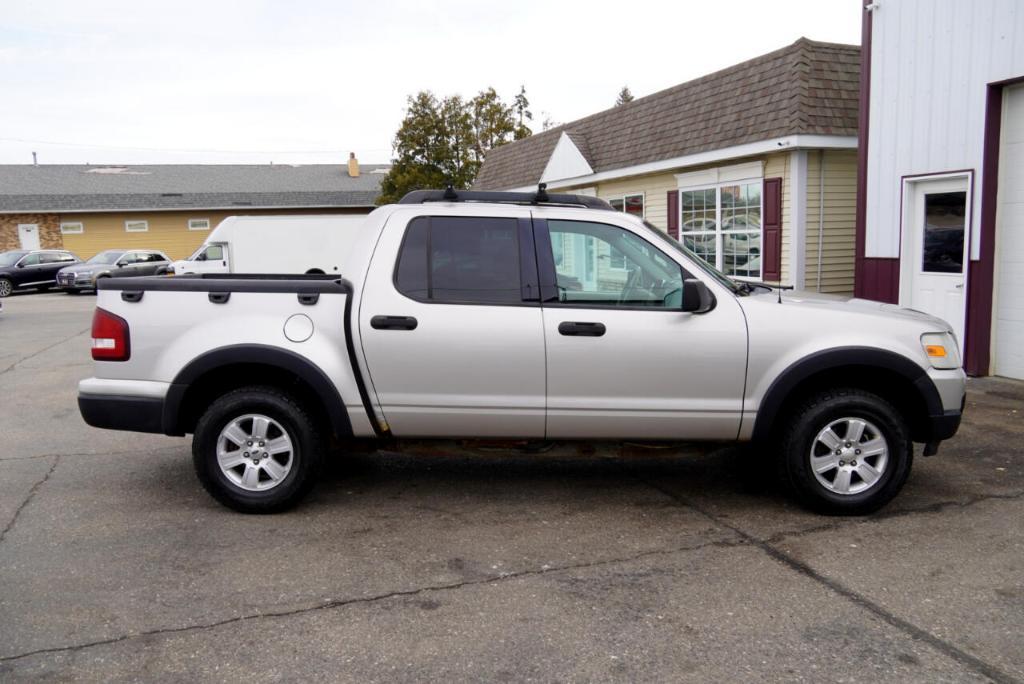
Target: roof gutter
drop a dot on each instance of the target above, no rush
(791, 142)
(234, 207)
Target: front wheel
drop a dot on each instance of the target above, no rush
(257, 450)
(846, 452)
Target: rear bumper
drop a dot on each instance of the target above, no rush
(133, 405)
(113, 412)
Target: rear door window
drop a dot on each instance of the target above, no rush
(460, 260)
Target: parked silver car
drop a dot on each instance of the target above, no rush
(113, 263)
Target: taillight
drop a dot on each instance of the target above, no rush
(110, 339)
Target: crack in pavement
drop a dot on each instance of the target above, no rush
(331, 604)
(883, 517)
(44, 349)
(28, 498)
(125, 452)
(969, 661)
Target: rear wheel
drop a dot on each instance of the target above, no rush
(6, 287)
(846, 452)
(257, 450)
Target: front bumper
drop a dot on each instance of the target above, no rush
(67, 282)
(944, 426)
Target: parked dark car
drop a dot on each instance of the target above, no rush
(113, 263)
(32, 268)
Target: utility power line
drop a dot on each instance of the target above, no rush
(185, 149)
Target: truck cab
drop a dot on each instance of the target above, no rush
(211, 257)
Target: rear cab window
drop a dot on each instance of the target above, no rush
(465, 260)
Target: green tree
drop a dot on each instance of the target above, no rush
(523, 114)
(624, 96)
(444, 142)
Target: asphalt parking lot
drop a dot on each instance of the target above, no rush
(629, 564)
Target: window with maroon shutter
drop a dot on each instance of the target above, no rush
(771, 261)
(673, 213)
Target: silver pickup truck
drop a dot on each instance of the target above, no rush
(526, 317)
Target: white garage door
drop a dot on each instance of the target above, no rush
(1009, 303)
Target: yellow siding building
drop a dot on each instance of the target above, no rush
(171, 208)
(753, 167)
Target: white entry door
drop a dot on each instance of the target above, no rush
(28, 235)
(935, 239)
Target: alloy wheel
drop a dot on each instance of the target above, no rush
(255, 452)
(849, 456)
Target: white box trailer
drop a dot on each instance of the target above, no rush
(274, 244)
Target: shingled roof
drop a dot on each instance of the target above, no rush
(77, 187)
(805, 88)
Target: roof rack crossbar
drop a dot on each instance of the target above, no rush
(539, 198)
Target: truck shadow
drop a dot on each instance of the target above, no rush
(700, 471)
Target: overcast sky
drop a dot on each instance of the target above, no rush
(308, 81)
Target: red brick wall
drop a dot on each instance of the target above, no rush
(49, 230)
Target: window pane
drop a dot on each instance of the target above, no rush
(741, 254)
(617, 204)
(944, 232)
(703, 245)
(31, 260)
(635, 205)
(588, 267)
(754, 196)
(730, 195)
(215, 253)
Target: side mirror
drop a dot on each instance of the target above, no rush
(697, 298)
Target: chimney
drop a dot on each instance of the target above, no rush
(353, 165)
(34, 159)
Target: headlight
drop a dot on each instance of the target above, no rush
(941, 349)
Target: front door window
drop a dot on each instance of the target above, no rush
(601, 264)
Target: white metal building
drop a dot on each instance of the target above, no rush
(940, 220)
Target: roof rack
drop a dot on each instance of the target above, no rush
(540, 198)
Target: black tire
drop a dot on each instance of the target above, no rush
(800, 437)
(304, 460)
(6, 287)
(73, 291)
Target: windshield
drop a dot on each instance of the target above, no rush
(721, 278)
(11, 258)
(108, 257)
